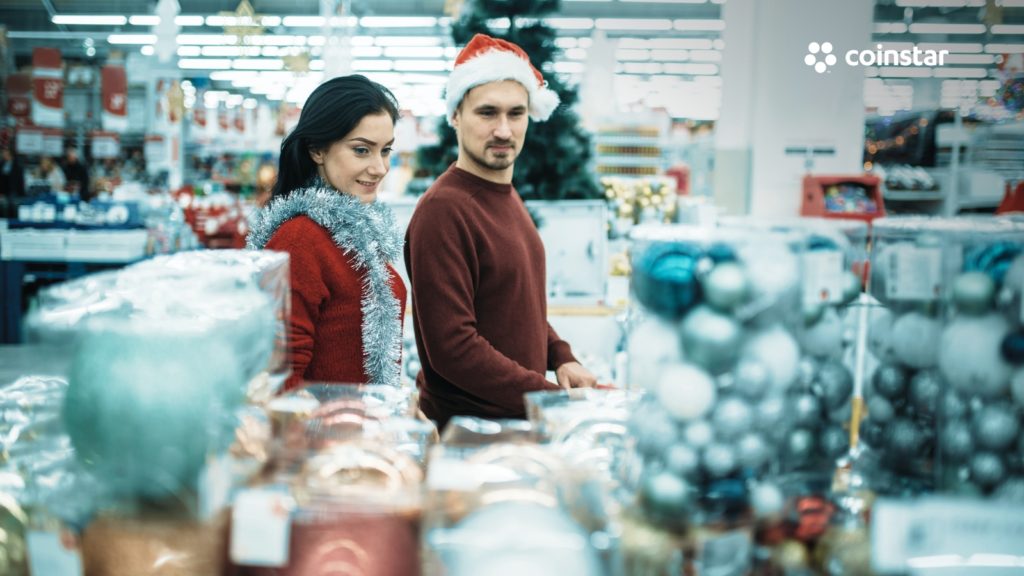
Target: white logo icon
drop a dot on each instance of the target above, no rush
(828, 58)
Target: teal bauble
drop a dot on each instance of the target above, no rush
(665, 278)
(711, 339)
(824, 338)
(973, 293)
(726, 286)
(145, 405)
(915, 340)
(852, 286)
(667, 498)
(969, 355)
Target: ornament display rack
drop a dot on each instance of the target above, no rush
(628, 150)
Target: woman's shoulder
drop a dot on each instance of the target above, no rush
(301, 231)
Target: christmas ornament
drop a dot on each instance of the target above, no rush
(873, 433)
(732, 417)
(915, 339)
(752, 379)
(956, 441)
(726, 286)
(752, 451)
(653, 343)
(799, 445)
(995, 427)
(122, 423)
(969, 355)
(835, 441)
(973, 293)
(842, 414)
(773, 271)
(655, 431)
(554, 545)
(770, 413)
(824, 339)
(1017, 388)
(890, 380)
(880, 335)
(953, 405)
(987, 469)
(835, 384)
(719, 459)
(805, 410)
(686, 391)
(767, 500)
(710, 339)
(666, 497)
(994, 260)
(813, 311)
(880, 410)
(852, 286)
(925, 388)
(775, 349)
(665, 278)
(791, 556)
(807, 371)
(904, 438)
(1012, 348)
(719, 253)
(699, 434)
(681, 460)
(1011, 491)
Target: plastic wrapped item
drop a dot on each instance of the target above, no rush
(240, 303)
(473, 431)
(502, 509)
(940, 404)
(353, 508)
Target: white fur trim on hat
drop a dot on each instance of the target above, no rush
(493, 66)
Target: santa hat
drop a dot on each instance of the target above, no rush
(487, 59)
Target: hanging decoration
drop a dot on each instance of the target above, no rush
(243, 22)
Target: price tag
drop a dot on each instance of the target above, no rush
(913, 273)
(261, 527)
(726, 555)
(53, 554)
(944, 533)
(823, 276)
(29, 142)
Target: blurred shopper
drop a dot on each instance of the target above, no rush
(51, 174)
(76, 173)
(12, 183)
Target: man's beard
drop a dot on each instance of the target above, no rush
(497, 163)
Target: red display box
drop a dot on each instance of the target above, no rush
(854, 197)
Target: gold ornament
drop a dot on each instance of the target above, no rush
(297, 63)
(244, 22)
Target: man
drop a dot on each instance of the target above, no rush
(475, 260)
(76, 173)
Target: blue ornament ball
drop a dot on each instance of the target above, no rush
(665, 278)
(992, 259)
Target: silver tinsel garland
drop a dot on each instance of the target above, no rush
(366, 232)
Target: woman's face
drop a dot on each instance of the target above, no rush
(358, 162)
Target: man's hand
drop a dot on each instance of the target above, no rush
(574, 375)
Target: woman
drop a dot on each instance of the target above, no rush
(347, 299)
(51, 173)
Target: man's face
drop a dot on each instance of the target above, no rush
(72, 155)
(491, 124)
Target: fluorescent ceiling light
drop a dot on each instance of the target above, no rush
(406, 41)
(633, 24)
(702, 24)
(1008, 29)
(969, 59)
(204, 64)
(249, 103)
(303, 21)
(436, 80)
(398, 21)
(257, 64)
(1004, 48)
(570, 23)
(230, 51)
(132, 39)
(367, 51)
(90, 19)
(565, 42)
(705, 56)
(372, 65)
(576, 54)
(316, 64)
(692, 69)
(189, 20)
(642, 68)
(219, 39)
(148, 50)
(143, 20)
(960, 73)
(568, 67)
(670, 44)
(422, 65)
(499, 23)
(271, 21)
(231, 75)
(634, 55)
(670, 55)
(276, 40)
(667, 1)
(926, 28)
(189, 51)
(890, 28)
(957, 47)
(413, 52)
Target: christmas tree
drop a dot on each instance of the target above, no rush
(553, 163)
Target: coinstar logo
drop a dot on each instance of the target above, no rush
(820, 57)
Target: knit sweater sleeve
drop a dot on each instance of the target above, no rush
(444, 272)
(303, 240)
(559, 351)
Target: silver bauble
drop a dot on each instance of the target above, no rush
(654, 430)
(915, 340)
(835, 384)
(681, 460)
(726, 286)
(956, 441)
(799, 445)
(1017, 387)
(880, 409)
(752, 379)
(719, 459)
(770, 412)
(1011, 491)
(732, 418)
(835, 441)
(767, 500)
(652, 344)
(904, 438)
(752, 451)
(890, 381)
(970, 359)
(880, 335)
(987, 469)
(824, 338)
(699, 434)
(925, 387)
(953, 405)
(973, 293)
(711, 339)
(805, 410)
(685, 391)
(777, 350)
(995, 427)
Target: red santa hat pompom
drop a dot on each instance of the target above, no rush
(486, 59)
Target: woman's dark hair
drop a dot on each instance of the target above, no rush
(331, 111)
